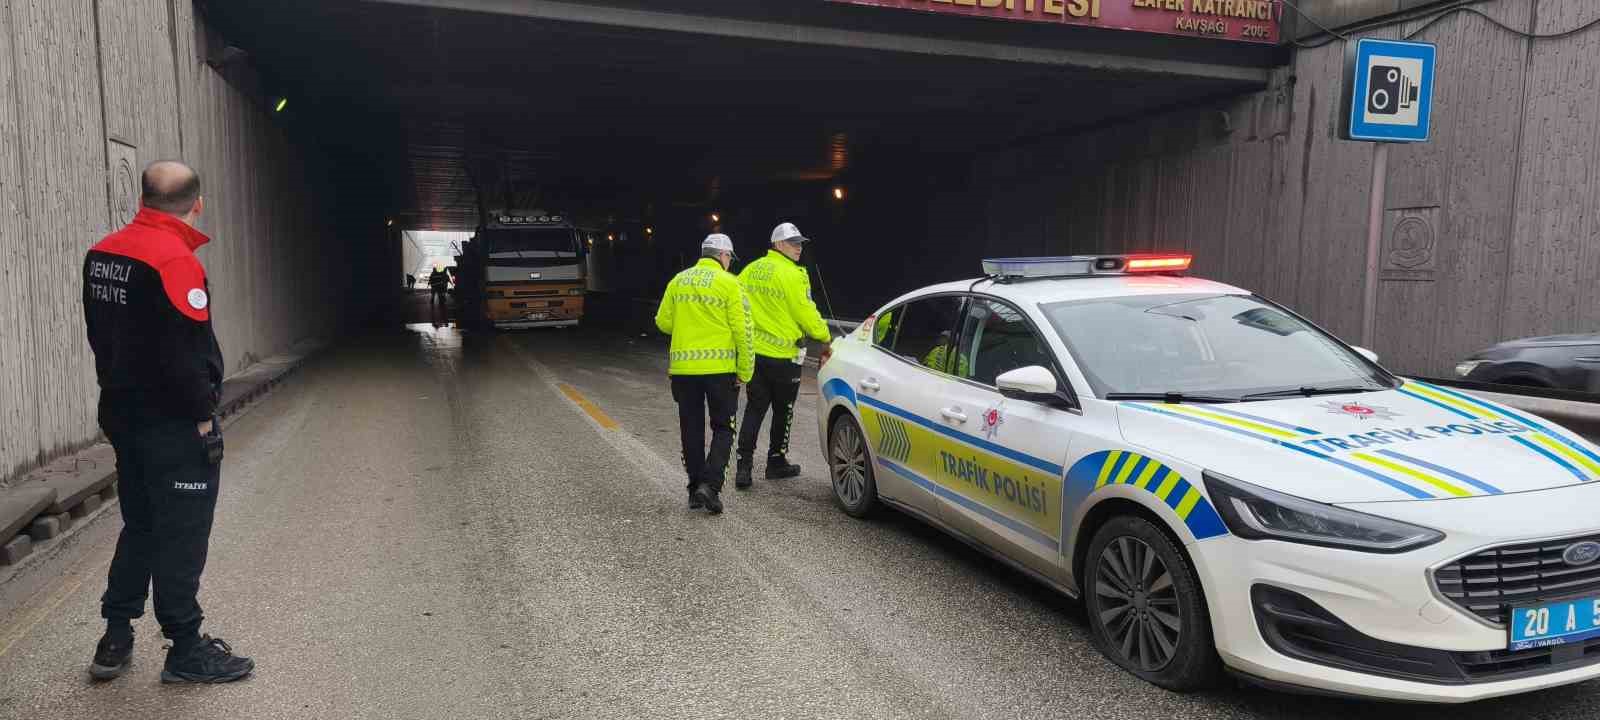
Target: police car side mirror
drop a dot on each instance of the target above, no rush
(1032, 383)
(1368, 354)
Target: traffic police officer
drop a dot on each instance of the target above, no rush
(148, 310)
(785, 316)
(708, 316)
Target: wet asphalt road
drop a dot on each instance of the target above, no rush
(426, 524)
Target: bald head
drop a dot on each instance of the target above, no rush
(171, 187)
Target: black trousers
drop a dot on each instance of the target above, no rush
(775, 385)
(168, 493)
(698, 395)
(438, 295)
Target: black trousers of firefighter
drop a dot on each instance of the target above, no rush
(698, 395)
(167, 485)
(775, 385)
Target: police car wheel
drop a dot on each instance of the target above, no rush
(854, 489)
(1147, 611)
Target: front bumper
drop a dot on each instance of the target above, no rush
(1392, 636)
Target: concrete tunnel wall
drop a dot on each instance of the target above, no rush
(1498, 215)
(90, 91)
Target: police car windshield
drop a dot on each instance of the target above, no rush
(1214, 345)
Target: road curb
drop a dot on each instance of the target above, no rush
(80, 488)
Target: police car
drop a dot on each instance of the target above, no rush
(1227, 487)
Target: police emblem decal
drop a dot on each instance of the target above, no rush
(993, 418)
(198, 299)
(1359, 411)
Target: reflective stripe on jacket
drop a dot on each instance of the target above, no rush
(780, 300)
(708, 316)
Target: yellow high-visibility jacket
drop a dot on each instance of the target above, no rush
(780, 297)
(708, 316)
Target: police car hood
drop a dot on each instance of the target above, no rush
(1417, 442)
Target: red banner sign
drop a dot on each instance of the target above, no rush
(1241, 20)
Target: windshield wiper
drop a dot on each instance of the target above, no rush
(1171, 397)
(1308, 392)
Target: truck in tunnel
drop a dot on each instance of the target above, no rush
(533, 272)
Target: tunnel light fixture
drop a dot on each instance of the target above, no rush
(610, 237)
(838, 193)
(716, 218)
(649, 231)
(282, 103)
(389, 223)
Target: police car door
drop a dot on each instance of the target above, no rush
(1010, 471)
(899, 410)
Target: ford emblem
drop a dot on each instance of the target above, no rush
(1582, 553)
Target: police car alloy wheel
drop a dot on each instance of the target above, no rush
(853, 487)
(1145, 606)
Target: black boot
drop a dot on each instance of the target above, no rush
(710, 498)
(113, 656)
(779, 468)
(694, 500)
(741, 475)
(209, 661)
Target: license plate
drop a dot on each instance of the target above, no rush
(1555, 623)
(538, 316)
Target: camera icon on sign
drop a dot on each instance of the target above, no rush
(1390, 90)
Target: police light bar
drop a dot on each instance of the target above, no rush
(1084, 266)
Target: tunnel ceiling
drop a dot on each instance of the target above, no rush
(436, 106)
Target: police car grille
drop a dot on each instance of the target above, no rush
(1488, 583)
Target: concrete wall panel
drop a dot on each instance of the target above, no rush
(87, 70)
(19, 433)
(1554, 235)
(62, 142)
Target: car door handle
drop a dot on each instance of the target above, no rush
(954, 414)
(871, 384)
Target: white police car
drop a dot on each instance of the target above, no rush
(1225, 485)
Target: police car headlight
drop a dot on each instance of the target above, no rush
(1256, 513)
(1466, 367)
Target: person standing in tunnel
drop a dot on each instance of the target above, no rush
(147, 307)
(785, 317)
(439, 282)
(708, 316)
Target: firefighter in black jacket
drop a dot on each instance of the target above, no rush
(148, 310)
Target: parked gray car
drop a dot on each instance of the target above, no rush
(1564, 362)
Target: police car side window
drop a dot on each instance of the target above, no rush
(996, 339)
(923, 332)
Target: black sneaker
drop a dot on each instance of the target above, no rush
(741, 476)
(694, 501)
(709, 498)
(112, 657)
(212, 661)
(779, 468)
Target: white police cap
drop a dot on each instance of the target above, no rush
(717, 241)
(787, 231)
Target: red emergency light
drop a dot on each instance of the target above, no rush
(1158, 263)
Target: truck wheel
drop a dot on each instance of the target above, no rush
(1147, 611)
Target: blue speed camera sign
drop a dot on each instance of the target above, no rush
(1388, 90)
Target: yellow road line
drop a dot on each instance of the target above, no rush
(51, 602)
(592, 409)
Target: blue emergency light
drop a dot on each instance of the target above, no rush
(1027, 268)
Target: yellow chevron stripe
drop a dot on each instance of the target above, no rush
(1432, 394)
(1186, 505)
(1167, 486)
(1127, 469)
(1428, 478)
(1149, 472)
(1105, 470)
(1230, 420)
(1567, 452)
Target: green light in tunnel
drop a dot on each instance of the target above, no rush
(282, 103)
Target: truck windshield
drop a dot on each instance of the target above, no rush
(531, 240)
(1232, 346)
